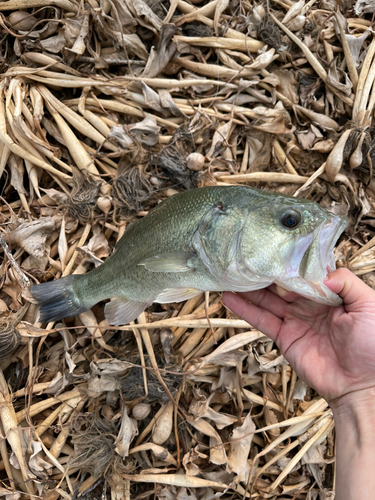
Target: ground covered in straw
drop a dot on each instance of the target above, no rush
(107, 108)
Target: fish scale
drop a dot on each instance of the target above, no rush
(214, 238)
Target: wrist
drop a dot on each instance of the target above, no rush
(354, 416)
(360, 399)
(356, 410)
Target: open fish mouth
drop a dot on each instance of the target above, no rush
(329, 235)
(319, 258)
(317, 261)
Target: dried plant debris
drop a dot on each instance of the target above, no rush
(271, 34)
(132, 188)
(106, 109)
(94, 440)
(83, 197)
(173, 160)
(9, 336)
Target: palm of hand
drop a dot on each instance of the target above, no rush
(331, 348)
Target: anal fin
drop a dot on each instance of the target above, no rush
(121, 311)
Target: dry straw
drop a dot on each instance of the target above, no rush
(107, 108)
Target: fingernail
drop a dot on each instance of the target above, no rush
(281, 292)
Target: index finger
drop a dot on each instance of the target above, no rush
(258, 317)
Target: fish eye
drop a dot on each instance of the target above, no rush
(290, 219)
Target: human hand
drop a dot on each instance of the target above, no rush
(331, 348)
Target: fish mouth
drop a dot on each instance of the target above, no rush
(311, 256)
(319, 259)
(330, 233)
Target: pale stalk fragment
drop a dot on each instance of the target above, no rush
(4, 156)
(370, 109)
(16, 149)
(33, 174)
(323, 429)
(283, 159)
(147, 341)
(79, 46)
(360, 100)
(5, 457)
(263, 177)
(81, 242)
(311, 179)
(312, 60)
(214, 42)
(159, 452)
(307, 52)
(162, 83)
(37, 408)
(334, 161)
(74, 119)
(78, 152)
(253, 45)
(323, 121)
(207, 10)
(11, 430)
(63, 245)
(352, 69)
(176, 480)
(367, 246)
(212, 70)
(220, 7)
(189, 323)
(360, 112)
(45, 60)
(29, 4)
(298, 429)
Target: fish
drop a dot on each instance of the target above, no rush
(214, 238)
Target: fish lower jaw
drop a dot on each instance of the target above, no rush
(314, 290)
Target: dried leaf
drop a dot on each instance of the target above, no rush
(220, 7)
(63, 245)
(231, 344)
(364, 7)
(31, 236)
(217, 451)
(179, 480)
(146, 132)
(240, 443)
(128, 430)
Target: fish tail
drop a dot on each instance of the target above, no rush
(58, 299)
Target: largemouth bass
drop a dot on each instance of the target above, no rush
(215, 238)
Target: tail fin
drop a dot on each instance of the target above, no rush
(57, 299)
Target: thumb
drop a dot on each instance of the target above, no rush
(353, 291)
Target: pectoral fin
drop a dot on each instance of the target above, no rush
(171, 262)
(176, 295)
(121, 311)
